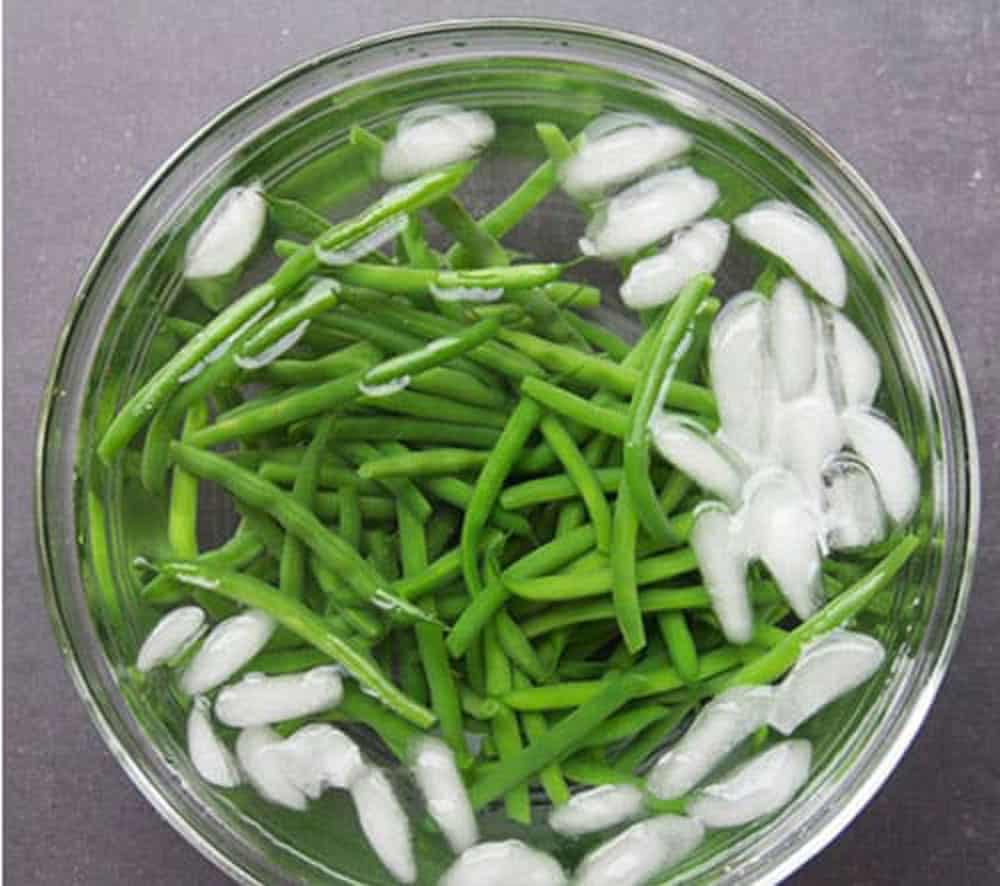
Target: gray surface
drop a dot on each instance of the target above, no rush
(99, 93)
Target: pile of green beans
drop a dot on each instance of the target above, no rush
(456, 501)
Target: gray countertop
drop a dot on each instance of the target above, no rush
(98, 94)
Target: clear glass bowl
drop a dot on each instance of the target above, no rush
(89, 529)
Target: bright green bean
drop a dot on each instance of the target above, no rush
(413, 498)
(848, 604)
(458, 493)
(534, 726)
(583, 477)
(572, 586)
(434, 353)
(519, 426)
(440, 572)
(606, 419)
(561, 739)
(683, 652)
(480, 247)
(182, 513)
(624, 571)
(258, 493)
(306, 624)
(428, 462)
(600, 372)
(265, 415)
(292, 568)
(647, 399)
(574, 694)
(543, 490)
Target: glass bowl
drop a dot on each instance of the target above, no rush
(285, 134)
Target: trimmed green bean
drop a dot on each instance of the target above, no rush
(561, 739)
(534, 726)
(680, 644)
(428, 462)
(258, 493)
(306, 624)
(646, 400)
(583, 477)
(292, 567)
(624, 570)
(606, 419)
(572, 586)
(434, 353)
(182, 513)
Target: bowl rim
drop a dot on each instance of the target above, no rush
(917, 713)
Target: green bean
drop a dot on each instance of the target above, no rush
(583, 477)
(349, 515)
(288, 661)
(689, 363)
(554, 488)
(374, 508)
(491, 355)
(298, 372)
(140, 408)
(571, 516)
(651, 601)
(646, 401)
(626, 725)
(475, 667)
(652, 738)
(265, 415)
(556, 696)
(586, 770)
(506, 215)
(440, 531)
(600, 372)
(417, 251)
(381, 552)
(534, 726)
(292, 568)
(182, 514)
(683, 652)
(504, 726)
(624, 570)
(365, 622)
(561, 739)
(519, 426)
(258, 493)
(599, 337)
(458, 493)
(433, 354)
(558, 147)
(781, 657)
(413, 498)
(606, 419)
(398, 733)
(430, 644)
(242, 549)
(427, 406)
(572, 586)
(517, 648)
(420, 281)
(330, 474)
(385, 334)
(410, 667)
(443, 570)
(305, 624)
(480, 247)
(386, 428)
(428, 462)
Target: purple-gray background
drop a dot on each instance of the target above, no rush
(98, 94)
